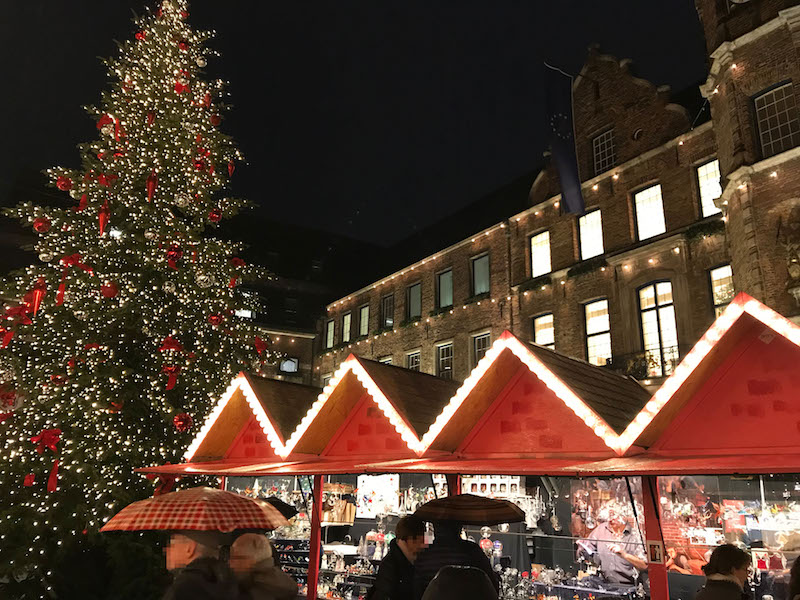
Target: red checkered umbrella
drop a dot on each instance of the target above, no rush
(197, 509)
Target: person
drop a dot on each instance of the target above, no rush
(617, 551)
(460, 583)
(726, 573)
(199, 573)
(794, 580)
(395, 579)
(449, 549)
(252, 561)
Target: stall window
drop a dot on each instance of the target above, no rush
(480, 344)
(590, 228)
(480, 275)
(708, 180)
(414, 301)
(659, 329)
(777, 120)
(444, 289)
(540, 254)
(721, 288)
(544, 333)
(363, 320)
(329, 334)
(649, 212)
(387, 311)
(346, 322)
(444, 360)
(598, 332)
(413, 360)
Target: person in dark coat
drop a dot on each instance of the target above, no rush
(259, 578)
(395, 580)
(193, 556)
(449, 549)
(460, 583)
(794, 580)
(726, 572)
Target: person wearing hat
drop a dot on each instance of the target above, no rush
(193, 556)
(259, 578)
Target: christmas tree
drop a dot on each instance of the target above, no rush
(124, 333)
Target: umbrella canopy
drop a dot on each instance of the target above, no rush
(287, 510)
(470, 510)
(197, 509)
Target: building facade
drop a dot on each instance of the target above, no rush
(679, 217)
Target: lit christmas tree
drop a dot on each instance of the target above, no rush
(120, 339)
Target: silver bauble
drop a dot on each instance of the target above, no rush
(201, 62)
(170, 287)
(81, 315)
(107, 130)
(204, 280)
(146, 330)
(182, 199)
(45, 257)
(150, 235)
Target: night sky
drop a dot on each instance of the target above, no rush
(370, 119)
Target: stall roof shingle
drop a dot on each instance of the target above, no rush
(286, 403)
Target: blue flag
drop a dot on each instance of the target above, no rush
(558, 103)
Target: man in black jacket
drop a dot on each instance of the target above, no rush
(449, 549)
(395, 579)
(199, 573)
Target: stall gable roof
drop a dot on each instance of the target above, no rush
(276, 405)
(743, 317)
(408, 399)
(598, 397)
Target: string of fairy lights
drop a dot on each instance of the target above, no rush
(127, 330)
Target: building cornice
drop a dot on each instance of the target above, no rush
(742, 176)
(722, 57)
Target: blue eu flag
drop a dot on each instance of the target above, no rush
(558, 102)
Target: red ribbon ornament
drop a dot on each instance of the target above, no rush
(260, 345)
(84, 202)
(165, 483)
(170, 343)
(36, 295)
(18, 315)
(70, 260)
(5, 416)
(52, 481)
(150, 184)
(48, 438)
(29, 479)
(231, 168)
(103, 217)
(172, 371)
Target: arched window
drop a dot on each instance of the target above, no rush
(659, 328)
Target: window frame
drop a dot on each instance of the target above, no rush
(549, 252)
(594, 138)
(330, 334)
(641, 190)
(580, 236)
(697, 168)
(473, 338)
(754, 114)
(418, 353)
(711, 289)
(587, 335)
(438, 276)
(325, 379)
(347, 329)
(294, 360)
(383, 314)
(361, 320)
(472, 262)
(656, 306)
(437, 358)
(386, 360)
(533, 329)
(409, 316)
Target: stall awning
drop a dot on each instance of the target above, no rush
(732, 464)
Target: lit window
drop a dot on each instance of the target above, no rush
(413, 361)
(329, 335)
(480, 344)
(414, 301)
(480, 275)
(708, 180)
(386, 360)
(346, 320)
(540, 254)
(544, 333)
(721, 288)
(444, 289)
(649, 212)
(778, 125)
(244, 313)
(590, 227)
(598, 332)
(444, 360)
(605, 156)
(290, 365)
(659, 329)
(387, 311)
(363, 320)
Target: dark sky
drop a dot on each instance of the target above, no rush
(368, 118)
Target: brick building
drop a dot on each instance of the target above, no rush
(679, 216)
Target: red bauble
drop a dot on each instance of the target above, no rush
(140, 35)
(109, 290)
(182, 422)
(215, 320)
(184, 14)
(41, 225)
(64, 183)
(199, 164)
(183, 45)
(215, 216)
(215, 120)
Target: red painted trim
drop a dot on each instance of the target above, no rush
(659, 588)
(316, 539)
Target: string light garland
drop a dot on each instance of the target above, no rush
(129, 260)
